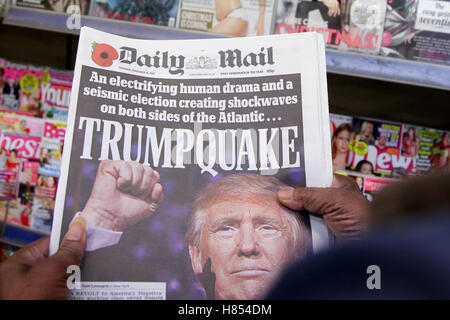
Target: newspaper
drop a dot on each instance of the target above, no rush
(174, 154)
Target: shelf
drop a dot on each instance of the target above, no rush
(54, 21)
(389, 69)
(366, 66)
(20, 236)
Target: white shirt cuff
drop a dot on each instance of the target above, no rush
(97, 238)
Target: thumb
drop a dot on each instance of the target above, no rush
(286, 197)
(314, 200)
(72, 247)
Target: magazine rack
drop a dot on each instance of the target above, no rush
(15, 234)
(353, 64)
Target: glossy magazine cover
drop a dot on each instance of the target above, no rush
(158, 12)
(349, 25)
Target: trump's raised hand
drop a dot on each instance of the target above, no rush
(123, 194)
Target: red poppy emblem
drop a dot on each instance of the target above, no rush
(103, 54)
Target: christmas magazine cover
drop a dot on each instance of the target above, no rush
(347, 25)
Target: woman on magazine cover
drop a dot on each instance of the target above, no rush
(440, 159)
(340, 146)
(233, 18)
(366, 134)
(410, 143)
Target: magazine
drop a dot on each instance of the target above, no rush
(55, 95)
(417, 30)
(28, 179)
(440, 159)
(15, 78)
(417, 143)
(341, 131)
(235, 18)
(369, 184)
(42, 213)
(55, 130)
(373, 185)
(175, 149)
(158, 12)
(350, 25)
(375, 147)
(55, 5)
(24, 146)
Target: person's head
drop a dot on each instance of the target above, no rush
(40, 180)
(44, 153)
(2, 151)
(382, 141)
(34, 99)
(359, 181)
(23, 124)
(50, 181)
(13, 153)
(364, 167)
(26, 211)
(367, 128)
(238, 229)
(445, 139)
(411, 133)
(341, 139)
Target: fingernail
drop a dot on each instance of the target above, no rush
(285, 194)
(76, 230)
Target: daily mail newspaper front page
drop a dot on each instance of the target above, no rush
(174, 154)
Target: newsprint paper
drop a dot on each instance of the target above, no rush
(174, 154)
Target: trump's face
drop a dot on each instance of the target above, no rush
(249, 242)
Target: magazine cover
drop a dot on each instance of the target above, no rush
(344, 24)
(341, 132)
(55, 95)
(417, 30)
(236, 18)
(11, 121)
(418, 143)
(158, 12)
(337, 120)
(373, 185)
(190, 157)
(50, 156)
(375, 147)
(28, 178)
(24, 146)
(55, 5)
(20, 88)
(10, 210)
(14, 78)
(22, 123)
(9, 174)
(440, 159)
(42, 213)
(55, 130)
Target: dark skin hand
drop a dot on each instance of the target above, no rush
(31, 274)
(343, 206)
